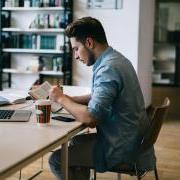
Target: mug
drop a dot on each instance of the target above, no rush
(43, 111)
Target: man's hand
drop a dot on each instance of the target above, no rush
(55, 93)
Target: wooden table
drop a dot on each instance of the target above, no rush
(23, 142)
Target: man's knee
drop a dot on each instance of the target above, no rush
(83, 138)
(54, 159)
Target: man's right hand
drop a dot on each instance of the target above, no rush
(55, 93)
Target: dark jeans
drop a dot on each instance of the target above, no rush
(80, 158)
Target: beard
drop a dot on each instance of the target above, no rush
(91, 57)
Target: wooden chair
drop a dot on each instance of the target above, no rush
(156, 115)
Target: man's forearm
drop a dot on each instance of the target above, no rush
(79, 111)
(82, 99)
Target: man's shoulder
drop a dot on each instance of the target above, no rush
(114, 58)
(113, 61)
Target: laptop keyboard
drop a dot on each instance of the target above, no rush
(6, 114)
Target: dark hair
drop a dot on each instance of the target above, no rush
(86, 27)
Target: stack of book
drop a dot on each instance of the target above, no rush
(47, 21)
(47, 63)
(48, 42)
(30, 41)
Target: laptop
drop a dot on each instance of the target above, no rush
(7, 115)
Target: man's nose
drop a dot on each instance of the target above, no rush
(76, 56)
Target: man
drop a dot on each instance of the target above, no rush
(115, 107)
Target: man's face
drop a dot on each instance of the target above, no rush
(83, 52)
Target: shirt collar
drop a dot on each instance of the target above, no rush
(99, 59)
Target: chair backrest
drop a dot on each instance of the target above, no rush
(157, 115)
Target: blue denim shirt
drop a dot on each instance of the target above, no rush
(118, 106)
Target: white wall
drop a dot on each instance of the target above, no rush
(123, 29)
(145, 48)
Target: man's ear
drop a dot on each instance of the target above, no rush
(90, 42)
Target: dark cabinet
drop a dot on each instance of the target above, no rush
(166, 59)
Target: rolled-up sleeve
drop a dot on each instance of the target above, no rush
(106, 87)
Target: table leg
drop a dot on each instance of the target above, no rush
(64, 160)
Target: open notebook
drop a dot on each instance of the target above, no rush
(11, 98)
(42, 92)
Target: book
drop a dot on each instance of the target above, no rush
(42, 92)
(11, 98)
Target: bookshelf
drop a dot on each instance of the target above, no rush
(40, 36)
(166, 60)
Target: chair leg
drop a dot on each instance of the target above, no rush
(138, 177)
(156, 173)
(118, 176)
(20, 174)
(42, 163)
(94, 174)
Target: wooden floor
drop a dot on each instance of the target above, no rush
(167, 151)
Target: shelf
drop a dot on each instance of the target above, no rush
(163, 71)
(167, 43)
(48, 73)
(163, 81)
(52, 73)
(36, 51)
(60, 8)
(168, 1)
(19, 30)
(17, 71)
(165, 60)
(164, 85)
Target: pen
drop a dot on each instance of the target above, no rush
(59, 86)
